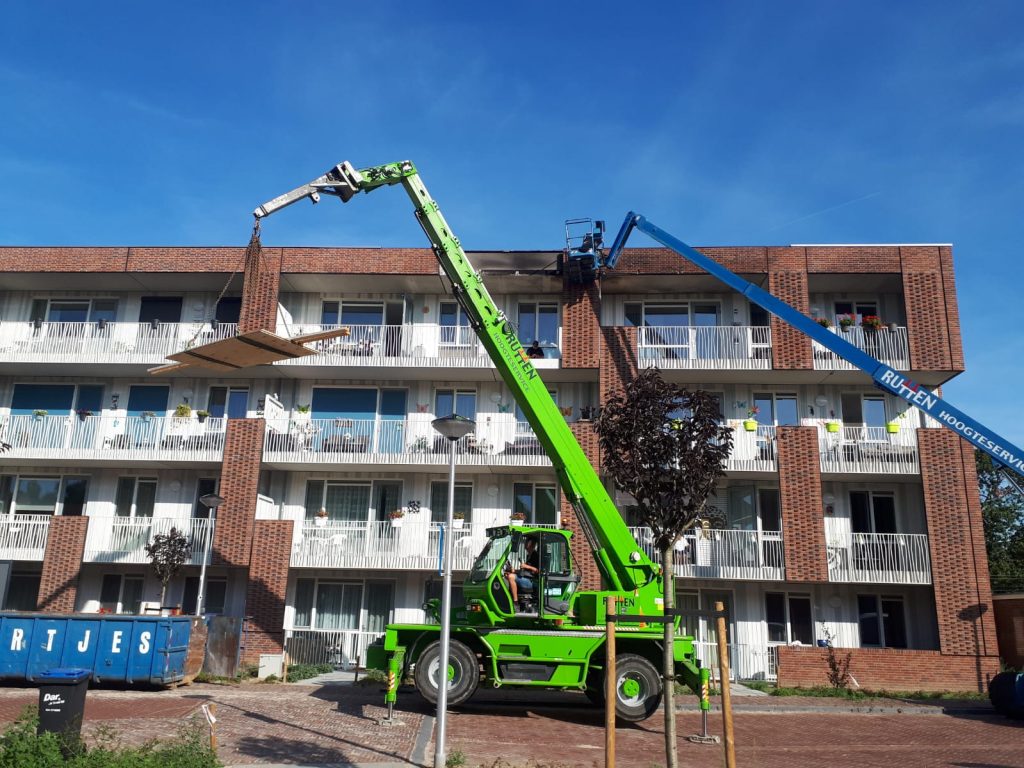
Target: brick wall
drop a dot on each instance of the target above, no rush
(239, 482)
(956, 541)
(65, 546)
(787, 280)
(663, 261)
(853, 260)
(889, 669)
(956, 348)
(581, 321)
(19, 259)
(618, 359)
(803, 524)
(267, 587)
(1009, 617)
(260, 292)
(928, 321)
(590, 576)
(359, 261)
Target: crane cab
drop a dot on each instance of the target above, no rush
(488, 590)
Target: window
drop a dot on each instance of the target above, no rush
(74, 310)
(751, 509)
(455, 401)
(204, 487)
(160, 309)
(455, 329)
(329, 604)
(688, 600)
(121, 594)
(38, 495)
(232, 402)
(439, 500)
(538, 321)
(872, 512)
(213, 602)
(432, 591)
(387, 498)
(58, 399)
(864, 410)
(539, 503)
(882, 621)
(22, 591)
(345, 502)
(855, 309)
(776, 409)
(788, 618)
(136, 497)
(228, 310)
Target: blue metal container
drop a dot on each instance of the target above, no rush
(128, 649)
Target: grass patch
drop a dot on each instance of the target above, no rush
(20, 747)
(860, 693)
(297, 672)
(204, 677)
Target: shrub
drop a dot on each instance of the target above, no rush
(297, 672)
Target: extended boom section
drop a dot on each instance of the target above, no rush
(1003, 451)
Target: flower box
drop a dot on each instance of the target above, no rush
(832, 426)
(892, 427)
(750, 425)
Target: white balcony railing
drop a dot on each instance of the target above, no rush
(23, 537)
(722, 554)
(113, 438)
(24, 342)
(124, 539)
(399, 441)
(410, 346)
(752, 451)
(341, 648)
(890, 346)
(868, 450)
(746, 662)
(382, 545)
(705, 347)
(880, 558)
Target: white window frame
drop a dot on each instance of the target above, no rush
(135, 495)
(787, 596)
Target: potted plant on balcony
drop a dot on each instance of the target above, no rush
(750, 423)
(83, 414)
(395, 516)
(824, 322)
(202, 416)
(39, 413)
(832, 426)
(419, 445)
(845, 323)
(871, 323)
(321, 517)
(518, 517)
(588, 412)
(147, 416)
(458, 520)
(892, 427)
(183, 411)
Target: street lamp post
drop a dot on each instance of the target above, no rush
(211, 501)
(452, 428)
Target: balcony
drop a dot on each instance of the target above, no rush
(868, 450)
(404, 346)
(879, 558)
(112, 438)
(705, 348)
(408, 442)
(382, 545)
(341, 648)
(888, 345)
(116, 343)
(23, 537)
(124, 539)
(722, 554)
(746, 662)
(752, 451)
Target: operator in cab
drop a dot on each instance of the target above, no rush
(525, 576)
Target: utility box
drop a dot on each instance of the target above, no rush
(62, 704)
(270, 664)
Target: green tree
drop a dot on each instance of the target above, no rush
(666, 446)
(1002, 509)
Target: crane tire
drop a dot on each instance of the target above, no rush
(464, 670)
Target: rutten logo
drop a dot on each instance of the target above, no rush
(509, 332)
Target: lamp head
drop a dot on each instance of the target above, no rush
(453, 427)
(211, 500)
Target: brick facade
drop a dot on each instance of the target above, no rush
(581, 320)
(239, 483)
(618, 359)
(590, 576)
(787, 280)
(803, 524)
(889, 669)
(267, 588)
(956, 541)
(925, 294)
(65, 546)
(260, 291)
(1009, 618)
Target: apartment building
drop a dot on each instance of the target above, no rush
(842, 512)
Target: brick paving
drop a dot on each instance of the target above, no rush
(305, 725)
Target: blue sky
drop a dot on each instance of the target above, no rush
(741, 123)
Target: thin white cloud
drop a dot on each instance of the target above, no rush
(825, 210)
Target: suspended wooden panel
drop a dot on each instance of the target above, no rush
(245, 351)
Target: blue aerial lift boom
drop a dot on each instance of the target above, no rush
(1002, 451)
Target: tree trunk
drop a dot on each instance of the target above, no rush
(669, 669)
(163, 595)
